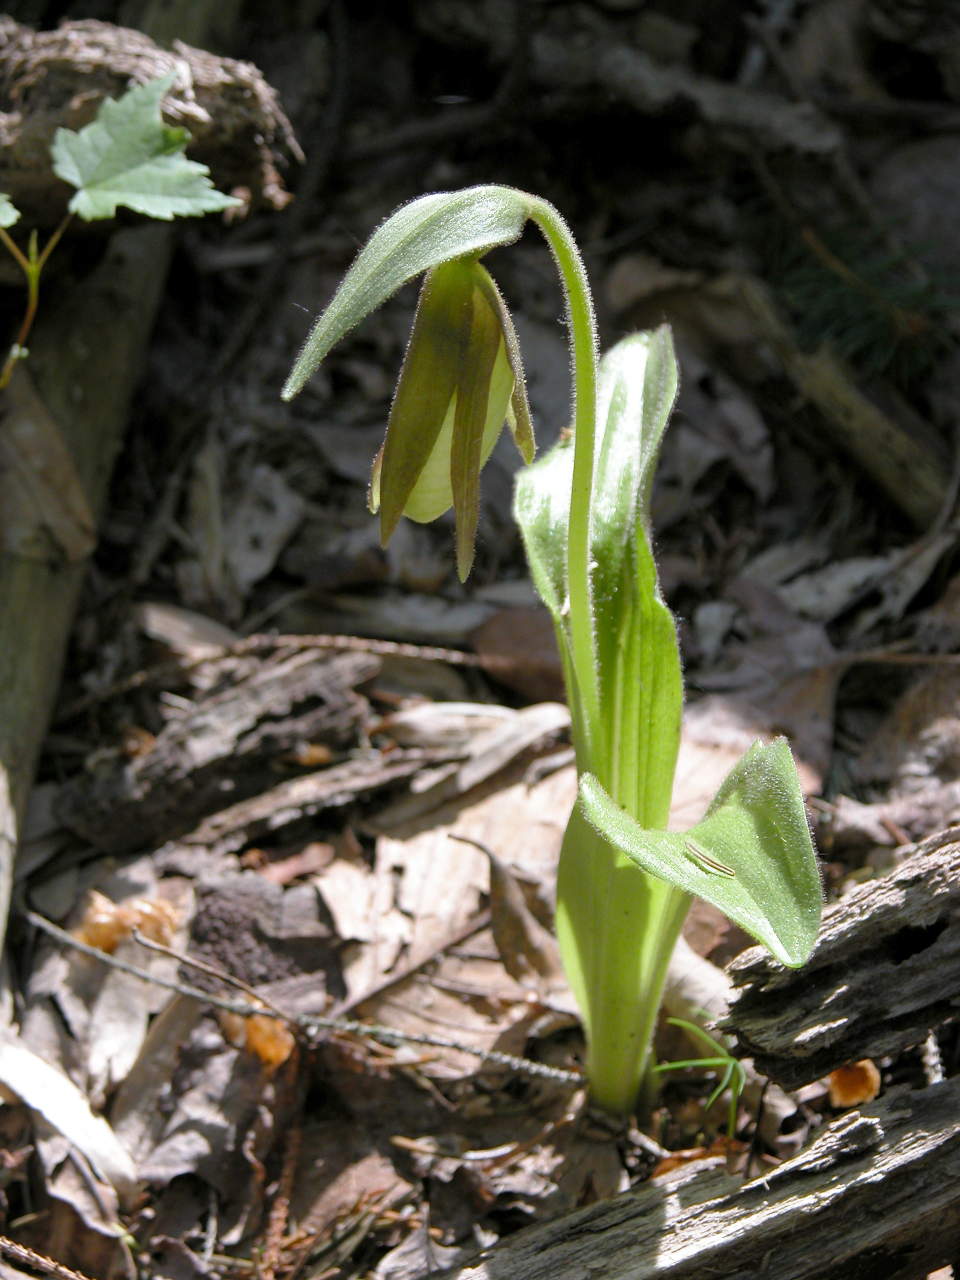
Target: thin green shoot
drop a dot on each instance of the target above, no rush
(734, 1076)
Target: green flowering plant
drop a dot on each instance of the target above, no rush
(624, 881)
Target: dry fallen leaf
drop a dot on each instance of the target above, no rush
(721, 1146)
(918, 743)
(260, 522)
(47, 1091)
(518, 648)
(527, 948)
(184, 631)
(782, 681)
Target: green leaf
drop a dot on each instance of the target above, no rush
(423, 234)
(638, 387)
(541, 508)
(751, 856)
(616, 928)
(9, 213)
(128, 157)
(638, 659)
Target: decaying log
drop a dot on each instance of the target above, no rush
(85, 384)
(885, 970)
(267, 815)
(222, 747)
(876, 1194)
(54, 79)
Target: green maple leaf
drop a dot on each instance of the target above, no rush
(9, 213)
(127, 156)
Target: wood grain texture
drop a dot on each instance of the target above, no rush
(876, 1194)
(227, 744)
(884, 972)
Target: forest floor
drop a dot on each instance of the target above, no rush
(338, 779)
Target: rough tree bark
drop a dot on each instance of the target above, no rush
(885, 970)
(876, 1194)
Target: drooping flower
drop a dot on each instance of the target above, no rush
(461, 381)
(462, 378)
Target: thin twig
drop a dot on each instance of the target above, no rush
(39, 1261)
(310, 1023)
(114, 962)
(212, 971)
(280, 1209)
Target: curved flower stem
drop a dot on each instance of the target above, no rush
(583, 344)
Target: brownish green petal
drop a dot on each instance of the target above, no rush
(518, 417)
(435, 353)
(461, 380)
(479, 417)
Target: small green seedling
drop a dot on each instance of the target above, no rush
(624, 881)
(734, 1077)
(127, 157)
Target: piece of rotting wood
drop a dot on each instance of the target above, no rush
(226, 745)
(877, 1193)
(268, 814)
(85, 358)
(884, 972)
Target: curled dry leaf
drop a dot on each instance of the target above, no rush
(47, 1091)
(106, 924)
(527, 948)
(266, 1037)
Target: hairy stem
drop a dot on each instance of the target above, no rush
(583, 345)
(616, 925)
